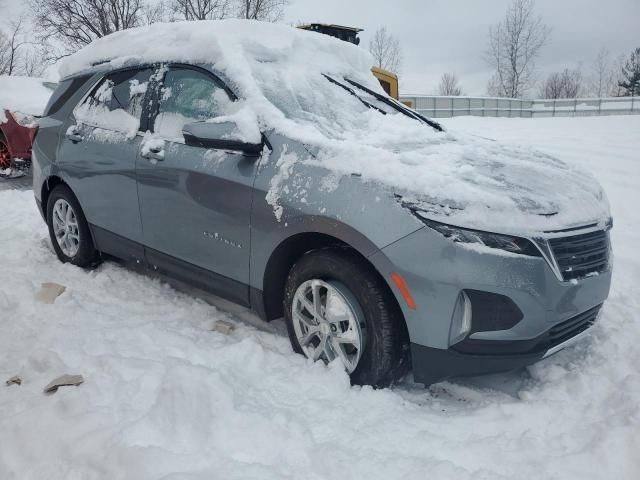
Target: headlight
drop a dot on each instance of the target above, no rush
(507, 243)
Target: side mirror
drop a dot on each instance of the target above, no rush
(223, 136)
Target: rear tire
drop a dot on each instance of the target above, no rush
(69, 229)
(384, 356)
(6, 161)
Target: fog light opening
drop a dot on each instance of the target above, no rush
(461, 321)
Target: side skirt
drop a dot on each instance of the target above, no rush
(160, 263)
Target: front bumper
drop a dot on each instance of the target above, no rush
(436, 270)
(469, 358)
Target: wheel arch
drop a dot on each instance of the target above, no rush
(288, 252)
(47, 186)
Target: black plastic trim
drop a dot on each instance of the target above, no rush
(161, 263)
(225, 287)
(116, 245)
(432, 365)
(556, 335)
(253, 149)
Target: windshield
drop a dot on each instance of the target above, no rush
(333, 106)
(383, 103)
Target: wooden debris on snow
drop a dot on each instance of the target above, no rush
(224, 327)
(49, 292)
(15, 380)
(64, 380)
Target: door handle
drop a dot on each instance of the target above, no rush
(74, 136)
(154, 153)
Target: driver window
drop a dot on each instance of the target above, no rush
(188, 96)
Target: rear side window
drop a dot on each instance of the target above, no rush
(63, 92)
(116, 102)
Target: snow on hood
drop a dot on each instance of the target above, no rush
(467, 180)
(278, 72)
(26, 95)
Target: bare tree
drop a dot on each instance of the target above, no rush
(32, 63)
(386, 50)
(11, 47)
(75, 23)
(4, 53)
(602, 78)
(157, 12)
(449, 85)
(565, 84)
(268, 10)
(514, 45)
(201, 9)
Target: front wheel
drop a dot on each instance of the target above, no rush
(337, 308)
(68, 229)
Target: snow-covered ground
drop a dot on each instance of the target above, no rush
(166, 397)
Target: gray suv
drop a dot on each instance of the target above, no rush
(142, 162)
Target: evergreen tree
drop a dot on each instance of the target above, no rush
(631, 74)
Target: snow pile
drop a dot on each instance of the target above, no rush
(26, 95)
(166, 397)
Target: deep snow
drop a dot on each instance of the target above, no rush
(165, 397)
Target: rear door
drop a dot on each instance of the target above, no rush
(195, 202)
(98, 157)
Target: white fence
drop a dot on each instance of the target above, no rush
(440, 107)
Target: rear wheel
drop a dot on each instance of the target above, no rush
(68, 229)
(337, 308)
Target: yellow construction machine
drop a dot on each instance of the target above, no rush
(388, 80)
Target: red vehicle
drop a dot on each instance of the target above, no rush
(16, 136)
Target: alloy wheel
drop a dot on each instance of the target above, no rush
(328, 323)
(65, 228)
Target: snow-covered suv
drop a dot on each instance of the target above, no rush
(267, 165)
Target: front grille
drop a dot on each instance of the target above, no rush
(572, 327)
(580, 255)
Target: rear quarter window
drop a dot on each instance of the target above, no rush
(63, 93)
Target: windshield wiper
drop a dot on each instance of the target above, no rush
(350, 90)
(396, 105)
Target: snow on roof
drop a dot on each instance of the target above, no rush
(22, 94)
(231, 45)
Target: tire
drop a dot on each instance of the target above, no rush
(5, 157)
(85, 255)
(384, 357)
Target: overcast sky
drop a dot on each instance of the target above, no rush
(440, 36)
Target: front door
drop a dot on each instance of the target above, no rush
(98, 157)
(195, 203)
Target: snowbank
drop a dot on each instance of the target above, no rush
(26, 95)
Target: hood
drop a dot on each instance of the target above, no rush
(471, 181)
